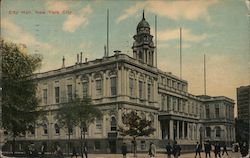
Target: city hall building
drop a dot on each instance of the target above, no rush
(119, 84)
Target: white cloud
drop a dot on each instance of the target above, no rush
(187, 35)
(190, 10)
(13, 33)
(16, 34)
(130, 11)
(74, 21)
(57, 6)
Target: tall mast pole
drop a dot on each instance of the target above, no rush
(155, 40)
(107, 32)
(180, 53)
(205, 76)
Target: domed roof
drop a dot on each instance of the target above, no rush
(143, 23)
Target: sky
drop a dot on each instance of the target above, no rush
(217, 28)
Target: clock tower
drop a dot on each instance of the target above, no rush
(143, 46)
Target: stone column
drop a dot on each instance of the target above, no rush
(92, 85)
(171, 130)
(188, 131)
(119, 84)
(146, 88)
(183, 136)
(122, 81)
(177, 130)
(105, 89)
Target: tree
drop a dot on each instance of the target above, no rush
(20, 103)
(66, 116)
(78, 112)
(86, 114)
(135, 126)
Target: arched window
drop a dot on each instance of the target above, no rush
(85, 86)
(113, 124)
(217, 131)
(57, 128)
(98, 85)
(150, 89)
(131, 85)
(113, 83)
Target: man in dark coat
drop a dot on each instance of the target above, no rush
(208, 149)
(169, 150)
(217, 150)
(176, 150)
(224, 149)
(244, 150)
(74, 152)
(124, 150)
(198, 149)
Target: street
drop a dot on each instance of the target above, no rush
(160, 155)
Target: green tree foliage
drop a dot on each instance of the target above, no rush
(20, 103)
(78, 112)
(136, 126)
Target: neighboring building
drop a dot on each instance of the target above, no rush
(219, 119)
(118, 84)
(243, 107)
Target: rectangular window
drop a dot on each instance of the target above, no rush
(169, 82)
(140, 89)
(174, 104)
(113, 86)
(98, 87)
(168, 102)
(69, 91)
(57, 94)
(179, 105)
(45, 96)
(98, 124)
(131, 87)
(208, 131)
(149, 92)
(217, 112)
(163, 101)
(85, 87)
(207, 113)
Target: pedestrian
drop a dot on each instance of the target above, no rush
(85, 150)
(217, 150)
(124, 150)
(236, 148)
(43, 150)
(169, 150)
(152, 150)
(244, 150)
(59, 153)
(198, 149)
(176, 150)
(208, 148)
(74, 153)
(224, 149)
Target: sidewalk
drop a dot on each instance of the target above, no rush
(189, 155)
